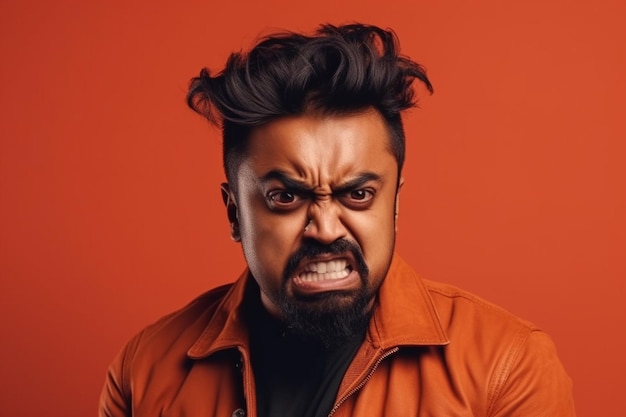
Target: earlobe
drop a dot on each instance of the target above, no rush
(231, 211)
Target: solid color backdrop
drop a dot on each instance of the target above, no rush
(110, 212)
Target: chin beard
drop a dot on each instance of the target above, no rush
(329, 320)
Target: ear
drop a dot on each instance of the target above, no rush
(397, 203)
(231, 211)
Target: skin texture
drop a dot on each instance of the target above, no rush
(316, 178)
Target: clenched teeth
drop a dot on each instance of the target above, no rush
(320, 271)
(335, 265)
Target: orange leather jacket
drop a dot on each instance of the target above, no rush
(431, 350)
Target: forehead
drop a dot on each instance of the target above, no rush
(322, 149)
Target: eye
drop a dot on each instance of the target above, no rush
(361, 195)
(358, 199)
(283, 199)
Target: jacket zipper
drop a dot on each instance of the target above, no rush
(364, 381)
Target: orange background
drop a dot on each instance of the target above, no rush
(110, 208)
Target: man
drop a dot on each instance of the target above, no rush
(327, 320)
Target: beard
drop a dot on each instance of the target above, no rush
(328, 319)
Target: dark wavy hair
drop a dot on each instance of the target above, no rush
(338, 70)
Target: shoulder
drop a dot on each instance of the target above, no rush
(172, 335)
(513, 355)
(195, 315)
(181, 327)
(457, 307)
(493, 356)
(475, 325)
(169, 337)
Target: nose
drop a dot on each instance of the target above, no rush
(324, 224)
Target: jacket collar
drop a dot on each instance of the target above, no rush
(404, 315)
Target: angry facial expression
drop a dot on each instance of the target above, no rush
(315, 209)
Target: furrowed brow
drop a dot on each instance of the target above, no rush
(357, 182)
(292, 184)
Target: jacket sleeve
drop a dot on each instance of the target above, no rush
(531, 382)
(115, 398)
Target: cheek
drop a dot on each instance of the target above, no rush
(378, 237)
(268, 240)
(374, 231)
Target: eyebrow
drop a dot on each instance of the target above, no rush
(302, 187)
(357, 182)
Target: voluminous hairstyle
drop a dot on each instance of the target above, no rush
(338, 70)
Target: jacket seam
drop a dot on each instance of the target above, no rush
(467, 297)
(504, 370)
(485, 304)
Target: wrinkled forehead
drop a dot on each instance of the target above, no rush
(321, 149)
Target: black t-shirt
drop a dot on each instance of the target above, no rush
(294, 378)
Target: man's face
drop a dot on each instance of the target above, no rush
(315, 210)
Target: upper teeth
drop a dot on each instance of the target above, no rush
(322, 271)
(327, 267)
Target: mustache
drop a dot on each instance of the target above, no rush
(311, 248)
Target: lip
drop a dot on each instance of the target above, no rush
(323, 282)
